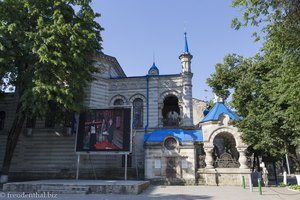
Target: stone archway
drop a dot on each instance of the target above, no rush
(119, 98)
(163, 95)
(225, 153)
(237, 147)
(228, 130)
(225, 143)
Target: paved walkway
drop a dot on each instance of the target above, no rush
(183, 193)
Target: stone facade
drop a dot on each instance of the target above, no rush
(50, 152)
(223, 176)
(213, 174)
(166, 104)
(165, 166)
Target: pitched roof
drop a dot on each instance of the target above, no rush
(218, 109)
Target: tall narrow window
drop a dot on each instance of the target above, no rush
(138, 113)
(2, 120)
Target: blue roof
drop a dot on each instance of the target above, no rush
(218, 109)
(186, 47)
(181, 135)
(154, 68)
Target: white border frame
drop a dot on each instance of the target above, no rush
(108, 152)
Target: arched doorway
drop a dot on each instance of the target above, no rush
(171, 111)
(225, 153)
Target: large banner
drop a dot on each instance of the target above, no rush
(104, 130)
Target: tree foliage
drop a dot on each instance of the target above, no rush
(266, 87)
(46, 52)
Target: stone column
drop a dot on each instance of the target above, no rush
(242, 158)
(187, 97)
(208, 157)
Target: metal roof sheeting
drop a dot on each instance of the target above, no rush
(180, 134)
(218, 109)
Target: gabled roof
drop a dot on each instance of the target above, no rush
(180, 134)
(115, 63)
(218, 109)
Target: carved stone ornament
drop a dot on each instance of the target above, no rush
(170, 143)
(201, 161)
(101, 67)
(226, 161)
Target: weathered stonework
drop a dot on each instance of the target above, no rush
(156, 157)
(223, 176)
(49, 152)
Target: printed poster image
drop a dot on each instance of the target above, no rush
(104, 130)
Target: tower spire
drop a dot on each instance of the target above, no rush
(186, 47)
(153, 58)
(187, 76)
(153, 70)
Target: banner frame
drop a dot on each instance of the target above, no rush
(108, 152)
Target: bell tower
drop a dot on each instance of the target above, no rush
(187, 75)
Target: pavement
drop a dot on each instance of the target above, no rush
(174, 193)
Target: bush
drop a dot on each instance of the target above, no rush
(295, 187)
(282, 184)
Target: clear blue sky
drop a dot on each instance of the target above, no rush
(134, 29)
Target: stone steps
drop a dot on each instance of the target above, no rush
(65, 186)
(64, 189)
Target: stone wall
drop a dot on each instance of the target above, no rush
(223, 176)
(198, 108)
(156, 159)
(49, 154)
(158, 88)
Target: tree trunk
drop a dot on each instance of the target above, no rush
(12, 140)
(296, 159)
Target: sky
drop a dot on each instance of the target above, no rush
(135, 30)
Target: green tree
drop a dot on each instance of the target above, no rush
(46, 52)
(266, 87)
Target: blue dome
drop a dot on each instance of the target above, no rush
(153, 70)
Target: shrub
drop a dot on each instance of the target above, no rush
(295, 187)
(282, 184)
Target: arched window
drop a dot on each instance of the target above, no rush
(2, 119)
(171, 111)
(138, 113)
(118, 102)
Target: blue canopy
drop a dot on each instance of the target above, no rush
(180, 134)
(218, 109)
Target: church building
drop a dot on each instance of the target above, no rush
(176, 140)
